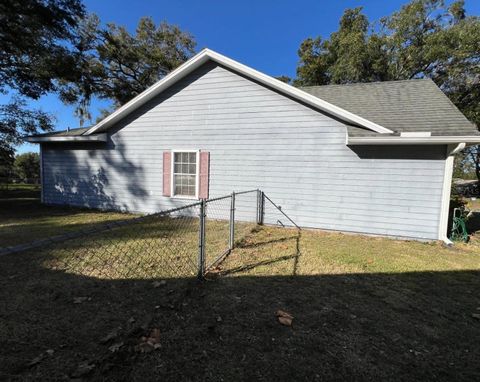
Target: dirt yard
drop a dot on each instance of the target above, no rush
(363, 308)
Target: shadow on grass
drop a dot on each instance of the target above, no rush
(473, 223)
(403, 326)
(25, 219)
(249, 242)
(20, 191)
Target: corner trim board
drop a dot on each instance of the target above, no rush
(42, 198)
(451, 150)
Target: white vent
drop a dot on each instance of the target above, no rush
(416, 134)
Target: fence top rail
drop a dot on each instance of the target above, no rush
(219, 198)
(166, 212)
(230, 195)
(246, 192)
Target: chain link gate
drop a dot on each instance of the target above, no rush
(227, 220)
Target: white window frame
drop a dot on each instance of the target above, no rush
(197, 174)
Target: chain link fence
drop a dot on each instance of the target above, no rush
(184, 242)
(154, 246)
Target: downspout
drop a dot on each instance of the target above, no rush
(42, 198)
(447, 189)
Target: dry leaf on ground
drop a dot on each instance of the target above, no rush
(36, 360)
(83, 369)
(79, 300)
(110, 336)
(152, 342)
(154, 336)
(115, 347)
(284, 318)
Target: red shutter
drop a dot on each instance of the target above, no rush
(167, 173)
(204, 174)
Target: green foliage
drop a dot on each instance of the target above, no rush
(285, 79)
(6, 167)
(467, 163)
(114, 64)
(27, 166)
(34, 54)
(33, 51)
(351, 54)
(425, 38)
(52, 46)
(16, 120)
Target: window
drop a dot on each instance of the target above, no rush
(185, 173)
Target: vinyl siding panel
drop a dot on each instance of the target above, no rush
(257, 138)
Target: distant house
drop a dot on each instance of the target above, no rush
(372, 158)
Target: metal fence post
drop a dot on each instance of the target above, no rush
(201, 240)
(232, 222)
(260, 207)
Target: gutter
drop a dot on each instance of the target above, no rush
(73, 138)
(399, 140)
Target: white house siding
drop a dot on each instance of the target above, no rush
(257, 138)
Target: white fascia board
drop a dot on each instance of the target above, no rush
(415, 134)
(75, 138)
(207, 54)
(398, 140)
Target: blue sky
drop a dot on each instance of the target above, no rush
(263, 34)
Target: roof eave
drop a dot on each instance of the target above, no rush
(435, 140)
(79, 138)
(205, 55)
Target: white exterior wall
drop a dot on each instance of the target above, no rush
(257, 138)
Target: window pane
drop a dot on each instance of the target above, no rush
(184, 174)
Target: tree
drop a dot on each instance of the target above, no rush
(17, 120)
(6, 168)
(117, 65)
(285, 79)
(34, 54)
(350, 55)
(425, 38)
(27, 167)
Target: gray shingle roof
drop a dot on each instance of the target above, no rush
(65, 133)
(410, 105)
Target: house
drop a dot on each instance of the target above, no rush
(372, 158)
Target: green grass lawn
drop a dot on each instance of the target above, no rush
(473, 204)
(23, 218)
(263, 254)
(364, 308)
